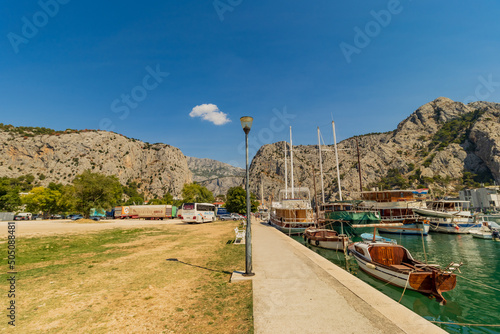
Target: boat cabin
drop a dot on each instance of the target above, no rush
(388, 196)
(385, 254)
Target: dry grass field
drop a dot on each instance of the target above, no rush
(119, 281)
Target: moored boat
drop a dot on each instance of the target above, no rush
(486, 230)
(293, 215)
(395, 265)
(449, 216)
(398, 206)
(325, 238)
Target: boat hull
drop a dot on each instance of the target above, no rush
(290, 227)
(407, 229)
(452, 228)
(421, 279)
(325, 238)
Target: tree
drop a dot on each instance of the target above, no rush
(192, 192)
(9, 196)
(236, 200)
(93, 190)
(42, 199)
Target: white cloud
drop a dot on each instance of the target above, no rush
(211, 113)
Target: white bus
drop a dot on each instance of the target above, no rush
(198, 212)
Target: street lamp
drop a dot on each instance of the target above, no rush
(246, 124)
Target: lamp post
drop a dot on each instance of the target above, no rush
(246, 124)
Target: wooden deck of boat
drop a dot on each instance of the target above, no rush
(296, 290)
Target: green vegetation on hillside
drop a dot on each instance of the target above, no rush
(30, 131)
(455, 130)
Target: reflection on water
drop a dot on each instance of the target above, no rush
(471, 302)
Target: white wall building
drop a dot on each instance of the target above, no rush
(487, 198)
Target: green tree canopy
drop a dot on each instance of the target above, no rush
(192, 192)
(93, 190)
(236, 199)
(9, 196)
(42, 199)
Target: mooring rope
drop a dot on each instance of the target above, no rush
(462, 324)
(468, 279)
(406, 284)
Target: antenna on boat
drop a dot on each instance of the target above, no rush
(337, 160)
(321, 169)
(291, 160)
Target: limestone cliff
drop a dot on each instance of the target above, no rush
(60, 156)
(216, 176)
(440, 145)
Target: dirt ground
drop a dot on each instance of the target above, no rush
(38, 228)
(130, 287)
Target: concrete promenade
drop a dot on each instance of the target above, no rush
(296, 290)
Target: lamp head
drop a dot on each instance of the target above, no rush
(246, 123)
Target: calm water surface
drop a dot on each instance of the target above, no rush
(471, 302)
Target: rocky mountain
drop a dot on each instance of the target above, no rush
(443, 145)
(216, 176)
(59, 156)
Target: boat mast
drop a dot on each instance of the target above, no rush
(291, 161)
(337, 160)
(286, 175)
(261, 191)
(321, 169)
(359, 167)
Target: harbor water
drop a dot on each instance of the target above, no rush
(472, 307)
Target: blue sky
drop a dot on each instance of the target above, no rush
(72, 64)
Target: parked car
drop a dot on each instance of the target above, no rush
(227, 217)
(76, 217)
(96, 218)
(237, 216)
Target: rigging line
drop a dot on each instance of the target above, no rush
(461, 324)
(468, 279)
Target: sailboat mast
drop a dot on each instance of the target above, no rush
(321, 169)
(337, 160)
(359, 167)
(291, 161)
(286, 175)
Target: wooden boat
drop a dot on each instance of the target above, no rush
(395, 265)
(293, 215)
(325, 238)
(397, 206)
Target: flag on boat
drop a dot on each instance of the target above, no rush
(421, 191)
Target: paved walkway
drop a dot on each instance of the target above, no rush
(296, 290)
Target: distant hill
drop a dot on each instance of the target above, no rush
(216, 176)
(443, 145)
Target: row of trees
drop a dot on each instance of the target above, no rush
(93, 190)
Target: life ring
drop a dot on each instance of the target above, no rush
(317, 242)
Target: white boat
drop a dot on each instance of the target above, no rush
(397, 206)
(395, 265)
(449, 216)
(325, 238)
(486, 230)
